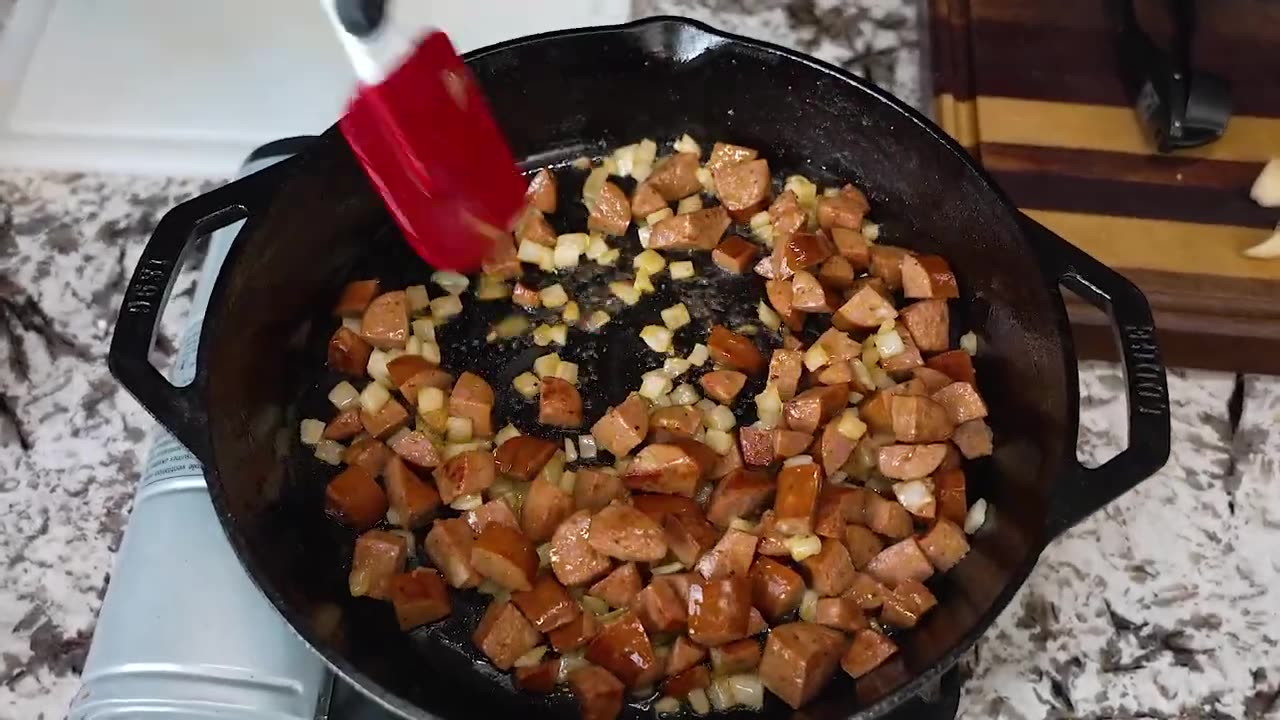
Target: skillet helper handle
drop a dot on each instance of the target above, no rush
(1083, 490)
(178, 408)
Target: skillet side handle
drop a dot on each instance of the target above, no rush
(1086, 490)
(179, 409)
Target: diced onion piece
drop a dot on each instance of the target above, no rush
(870, 231)
(311, 431)
(684, 394)
(642, 163)
(673, 567)
(803, 546)
(806, 192)
(720, 418)
(720, 693)
(597, 320)
(886, 326)
(546, 364)
(914, 495)
(649, 261)
(760, 219)
(1267, 249)
(594, 183)
(626, 292)
(571, 312)
(467, 502)
(699, 355)
(451, 449)
(838, 477)
(531, 658)
(424, 329)
(654, 385)
(458, 429)
(798, 460)
(743, 525)
(707, 180)
(657, 337)
(587, 447)
(816, 357)
(329, 451)
(748, 690)
(681, 270)
(889, 344)
(443, 308)
(544, 555)
(565, 256)
(666, 706)
(593, 605)
(687, 144)
(353, 324)
(768, 317)
(376, 367)
(881, 378)
(969, 343)
(658, 216)
(560, 334)
(699, 702)
(492, 288)
(343, 395)
(676, 316)
(542, 335)
(747, 329)
(413, 346)
(976, 517)
(511, 326)
(373, 397)
(643, 282)
(855, 398)
(610, 258)
(769, 407)
(570, 450)
(809, 603)
(850, 425)
(870, 354)
(417, 297)
(553, 296)
(535, 254)
(431, 352)
(452, 282)
(693, 203)
(431, 399)
(506, 434)
(527, 384)
(624, 158)
(675, 367)
(862, 374)
(644, 232)
(662, 401)
(596, 246)
(718, 440)
(568, 372)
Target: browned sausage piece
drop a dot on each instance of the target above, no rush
(622, 532)
(909, 462)
(781, 296)
(385, 324)
(862, 545)
(619, 587)
(836, 372)
(797, 498)
(624, 426)
(834, 448)
(876, 410)
(411, 500)
(886, 517)
(523, 456)
(449, 544)
(724, 155)
(799, 659)
(840, 613)
(355, 499)
(389, 418)
(900, 562)
(623, 648)
(814, 407)
(547, 604)
(679, 686)
(886, 264)
(776, 589)
(505, 556)
(808, 295)
(732, 555)
(907, 360)
(757, 445)
(532, 226)
(772, 541)
(502, 262)
(348, 352)
(594, 488)
(784, 372)
(525, 296)
(962, 401)
(743, 188)
(837, 505)
(908, 602)
(611, 212)
(853, 247)
(955, 364)
(539, 678)
(698, 230)
(472, 398)
(805, 250)
(645, 201)
(719, 610)
(417, 449)
(755, 623)
(503, 634)
(786, 216)
(830, 572)
(494, 511)
(404, 367)
(573, 560)
(723, 385)
(542, 191)
(949, 491)
(734, 351)
(918, 419)
(466, 473)
(344, 426)
(789, 443)
(929, 323)
(676, 176)
(741, 494)
(973, 438)
(685, 653)
(934, 380)
(688, 537)
(867, 652)
(419, 597)
(866, 309)
(845, 210)
(736, 657)
(735, 255)
(355, 297)
(658, 507)
(674, 421)
(378, 556)
(867, 592)
(663, 468)
(575, 634)
(660, 607)
(545, 506)
(944, 545)
(598, 692)
(928, 276)
(432, 376)
(836, 274)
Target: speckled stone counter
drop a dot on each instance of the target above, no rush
(1164, 605)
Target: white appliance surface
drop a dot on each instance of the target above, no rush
(186, 87)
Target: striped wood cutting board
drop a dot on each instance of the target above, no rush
(1032, 88)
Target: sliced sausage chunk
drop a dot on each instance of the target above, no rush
(467, 473)
(378, 556)
(830, 572)
(594, 488)
(962, 401)
(660, 607)
(928, 276)
(389, 418)
(944, 545)
(867, 652)
(734, 351)
(503, 635)
(918, 419)
(355, 297)
(756, 445)
(658, 507)
(545, 506)
(949, 492)
(685, 653)
(559, 403)
(688, 537)
(886, 517)
(908, 462)
(955, 364)
(743, 188)
(866, 309)
(852, 246)
(844, 210)
(799, 659)
(836, 273)
(905, 361)
(385, 324)
(344, 426)
(574, 634)
(368, 454)
(472, 398)
(900, 562)
(449, 545)
(797, 498)
(494, 511)
(348, 352)
(784, 372)
(862, 544)
(624, 427)
(598, 692)
(663, 468)
(723, 385)
(838, 505)
(908, 602)
(776, 589)
(674, 421)
(355, 499)
(523, 456)
(416, 448)
(547, 605)
(781, 294)
(611, 212)
(834, 448)
(886, 264)
(645, 201)
(542, 191)
(697, 230)
(732, 555)
(505, 556)
(725, 155)
(502, 262)
(675, 177)
(740, 494)
(719, 610)
(867, 591)
(619, 587)
(933, 380)
(736, 657)
(532, 226)
(808, 295)
(573, 560)
(679, 686)
(841, 613)
(540, 678)
(411, 500)
(622, 647)
(815, 407)
(622, 532)
(735, 255)
(419, 597)
(929, 323)
(973, 438)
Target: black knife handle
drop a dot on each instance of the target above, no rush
(361, 18)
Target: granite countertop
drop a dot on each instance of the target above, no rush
(1163, 605)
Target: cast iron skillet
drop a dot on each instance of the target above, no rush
(313, 223)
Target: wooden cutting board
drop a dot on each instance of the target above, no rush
(1032, 89)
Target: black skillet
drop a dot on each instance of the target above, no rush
(313, 223)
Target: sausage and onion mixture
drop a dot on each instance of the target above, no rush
(669, 549)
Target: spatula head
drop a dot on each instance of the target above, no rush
(425, 138)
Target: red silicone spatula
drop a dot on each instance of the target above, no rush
(423, 133)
